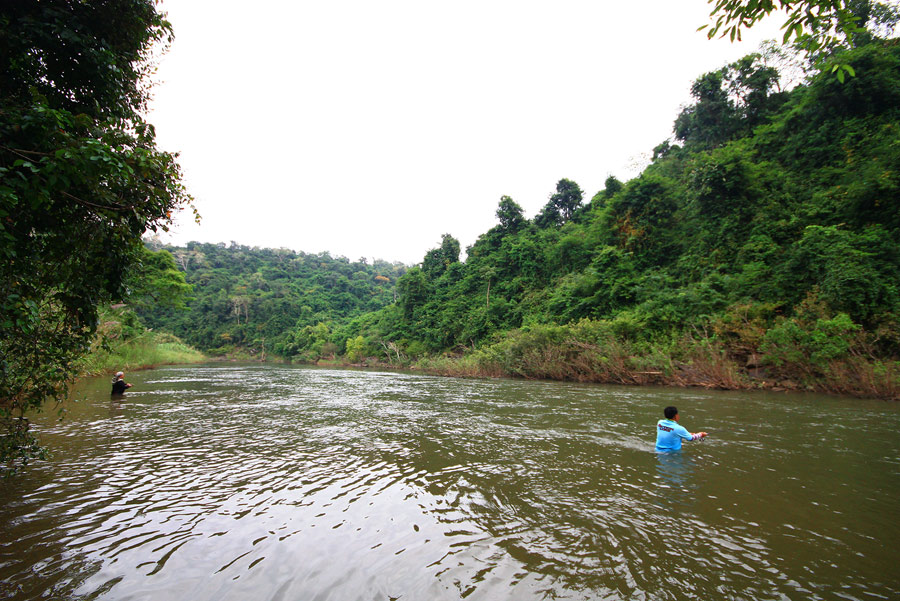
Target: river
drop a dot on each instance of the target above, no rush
(267, 482)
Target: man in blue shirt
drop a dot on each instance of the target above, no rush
(669, 433)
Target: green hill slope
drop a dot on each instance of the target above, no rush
(272, 302)
(768, 231)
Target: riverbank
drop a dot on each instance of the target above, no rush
(825, 354)
(584, 352)
(147, 350)
(708, 365)
(856, 379)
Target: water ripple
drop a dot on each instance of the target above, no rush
(262, 482)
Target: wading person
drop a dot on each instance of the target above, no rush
(119, 385)
(669, 433)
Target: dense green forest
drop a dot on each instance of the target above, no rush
(768, 199)
(761, 246)
(271, 302)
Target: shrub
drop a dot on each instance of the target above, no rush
(809, 347)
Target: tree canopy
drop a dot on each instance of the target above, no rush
(81, 180)
(818, 23)
(817, 26)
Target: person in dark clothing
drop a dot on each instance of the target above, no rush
(119, 385)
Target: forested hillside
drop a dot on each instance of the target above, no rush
(761, 246)
(764, 239)
(767, 198)
(273, 301)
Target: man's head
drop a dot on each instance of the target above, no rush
(120, 374)
(670, 412)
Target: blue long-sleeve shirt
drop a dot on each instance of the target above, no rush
(669, 435)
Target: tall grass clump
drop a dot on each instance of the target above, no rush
(148, 350)
(123, 344)
(584, 351)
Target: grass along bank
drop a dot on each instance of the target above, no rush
(148, 350)
(823, 355)
(123, 344)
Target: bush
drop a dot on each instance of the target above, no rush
(809, 347)
(357, 349)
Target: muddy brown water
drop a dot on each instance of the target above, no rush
(267, 482)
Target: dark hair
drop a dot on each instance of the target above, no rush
(670, 412)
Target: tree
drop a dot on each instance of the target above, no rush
(413, 289)
(562, 206)
(510, 214)
(814, 25)
(611, 187)
(155, 281)
(641, 219)
(567, 198)
(81, 180)
(356, 349)
(548, 217)
(818, 23)
(751, 83)
(730, 102)
(437, 260)
(712, 119)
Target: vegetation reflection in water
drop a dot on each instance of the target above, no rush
(263, 482)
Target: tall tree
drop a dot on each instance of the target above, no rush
(438, 259)
(712, 119)
(81, 180)
(567, 198)
(511, 215)
(729, 103)
(562, 205)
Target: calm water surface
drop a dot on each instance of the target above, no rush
(285, 483)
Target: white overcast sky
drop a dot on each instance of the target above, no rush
(368, 129)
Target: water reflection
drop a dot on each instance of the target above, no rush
(262, 482)
(675, 471)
